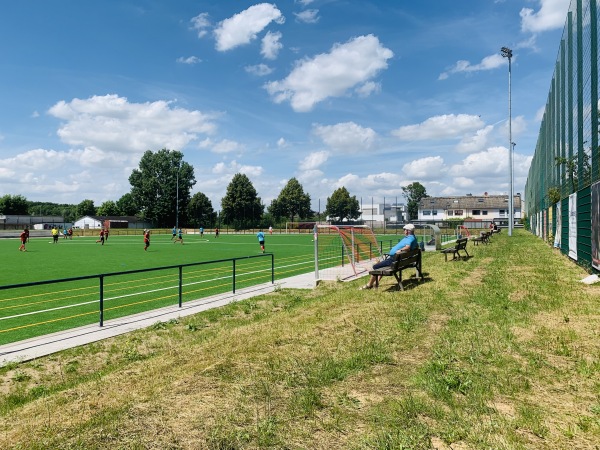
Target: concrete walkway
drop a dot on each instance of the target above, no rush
(55, 342)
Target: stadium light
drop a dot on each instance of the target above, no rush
(177, 199)
(507, 53)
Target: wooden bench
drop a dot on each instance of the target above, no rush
(403, 260)
(460, 245)
(484, 238)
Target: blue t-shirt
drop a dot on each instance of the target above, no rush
(261, 236)
(406, 240)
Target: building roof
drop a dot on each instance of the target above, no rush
(469, 202)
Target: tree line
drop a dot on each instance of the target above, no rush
(161, 194)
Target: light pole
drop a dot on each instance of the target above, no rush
(177, 199)
(507, 53)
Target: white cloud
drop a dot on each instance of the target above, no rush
(440, 127)
(111, 123)
(550, 16)
(305, 2)
(331, 74)
(201, 24)
(475, 142)
(281, 143)
(260, 70)
(368, 88)
(233, 167)
(429, 168)
(242, 28)
(314, 160)
(488, 63)
(271, 45)
(346, 137)
(189, 60)
(308, 16)
(491, 162)
(223, 146)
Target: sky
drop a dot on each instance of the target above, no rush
(371, 95)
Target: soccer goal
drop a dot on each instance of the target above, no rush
(344, 251)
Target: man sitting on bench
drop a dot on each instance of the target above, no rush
(408, 242)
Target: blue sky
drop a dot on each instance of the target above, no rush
(371, 95)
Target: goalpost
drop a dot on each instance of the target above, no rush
(344, 251)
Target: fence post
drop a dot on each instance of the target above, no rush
(272, 268)
(101, 300)
(233, 281)
(180, 285)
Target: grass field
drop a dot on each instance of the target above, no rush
(36, 310)
(499, 351)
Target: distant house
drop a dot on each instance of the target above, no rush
(110, 221)
(478, 208)
(13, 221)
(378, 214)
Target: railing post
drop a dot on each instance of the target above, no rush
(101, 300)
(180, 286)
(272, 268)
(233, 281)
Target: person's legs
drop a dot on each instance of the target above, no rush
(374, 278)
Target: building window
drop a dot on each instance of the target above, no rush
(450, 212)
(435, 212)
(458, 212)
(426, 213)
(484, 213)
(476, 212)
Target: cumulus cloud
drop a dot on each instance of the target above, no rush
(222, 146)
(346, 137)
(113, 124)
(440, 127)
(308, 16)
(550, 16)
(429, 168)
(331, 74)
(368, 88)
(242, 28)
(281, 143)
(233, 167)
(201, 24)
(314, 160)
(475, 142)
(271, 45)
(488, 63)
(189, 60)
(493, 161)
(260, 70)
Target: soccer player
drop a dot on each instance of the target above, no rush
(106, 234)
(24, 235)
(261, 240)
(201, 231)
(101, 236)
(146, 239)
(180, 237)
(174, 233)
(270, 230)
(54, 235)
(216, 232)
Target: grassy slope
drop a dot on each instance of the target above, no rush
(500, 351)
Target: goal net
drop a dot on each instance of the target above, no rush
(344, 251)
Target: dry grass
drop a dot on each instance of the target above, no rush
(498, 351)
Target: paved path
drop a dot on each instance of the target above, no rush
(52, 343)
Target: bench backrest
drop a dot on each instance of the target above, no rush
(405, 259)
(461, 244)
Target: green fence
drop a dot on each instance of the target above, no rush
(561, 185)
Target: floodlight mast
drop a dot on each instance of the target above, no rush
(507, 53)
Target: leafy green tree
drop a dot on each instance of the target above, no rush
(162, 179)
(14, 204)
(292, 202)
(241, 206)
(413, 193)
(201, 212)
(126, 205)
(341, 206)
(108, 208)
(86, 208)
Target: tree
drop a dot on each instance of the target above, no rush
(292, 202)
(14, 204)
(108, 208)
(241, 207)
(126, 205)
(86, 208)
(413, 193)
(201, 212)
(341, 206)
(162, 178)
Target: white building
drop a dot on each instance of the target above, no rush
(114, 221)
(484, 208)
(376, 214)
